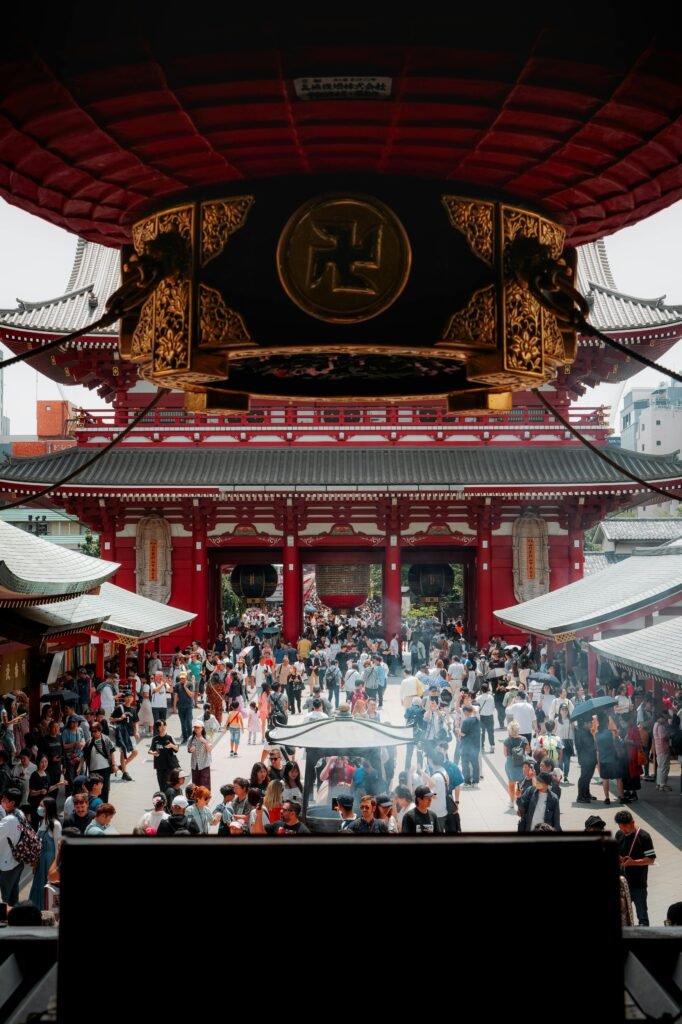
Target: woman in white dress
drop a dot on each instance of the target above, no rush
(145, 715)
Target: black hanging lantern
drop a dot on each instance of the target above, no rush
(431, 581)
(254, 582)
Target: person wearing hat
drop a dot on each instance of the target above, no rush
(386, 812)
(421, 820)
(178, 820)
(200, 750)
(538, 804)
(175, 785)
(183, 703)
(344, 805)
(595, 824)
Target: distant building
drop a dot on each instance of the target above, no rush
(54, 420)
(619, 538)
(651, 420)
(50, 524)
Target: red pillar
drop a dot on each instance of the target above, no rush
(292, 585)
(392, 590)
(484, 591)
(122, 657)
(592, 671)
(199, 577)
(99, 660)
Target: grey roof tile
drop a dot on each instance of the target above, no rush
(33, 567)
(118, 611)
(636, 583)
(341, 467)
(597, 561)
(641, 529)
(656, 650)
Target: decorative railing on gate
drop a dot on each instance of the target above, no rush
(275, 424)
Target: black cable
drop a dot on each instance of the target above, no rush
(599, 452)
(90, 462)
(104, 321)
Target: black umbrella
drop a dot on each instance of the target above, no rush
(59, 695)
(544, 677)
(591, 706)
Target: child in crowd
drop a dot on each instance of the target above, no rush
(235, 723)
(253, 722)
(210, 724)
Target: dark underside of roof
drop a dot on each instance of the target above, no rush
(143, 468)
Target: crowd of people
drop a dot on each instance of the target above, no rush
(250, 681)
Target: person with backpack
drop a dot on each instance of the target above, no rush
(549, 743)
(98, 756)
(12, 827)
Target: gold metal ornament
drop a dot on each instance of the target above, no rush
(344, 259)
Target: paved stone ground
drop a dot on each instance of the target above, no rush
(481, 810)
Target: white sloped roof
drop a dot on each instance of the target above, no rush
(633, 584)
(657, 650)
(641, 529)
(33, 568)
(117, 610)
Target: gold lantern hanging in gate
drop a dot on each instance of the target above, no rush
(337, 290)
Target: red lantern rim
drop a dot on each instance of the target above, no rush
(583, 124)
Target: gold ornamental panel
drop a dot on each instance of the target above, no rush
(344, 259)
(222, 326)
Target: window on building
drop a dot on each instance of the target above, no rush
(658, 443)
(658, 423)
(642, 427)
(642, 447)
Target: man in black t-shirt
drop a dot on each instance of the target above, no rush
(421, 820)
(636, 853)
(164, 750)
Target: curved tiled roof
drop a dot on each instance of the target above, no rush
(272, 469)
(657, 530)
(116, 610)
(636, 584)
(35, 569)
(597, 561)
(95, 275)
(656, 650)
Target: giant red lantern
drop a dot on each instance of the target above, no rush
(342, 587)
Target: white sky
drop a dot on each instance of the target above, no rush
(36, 258)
